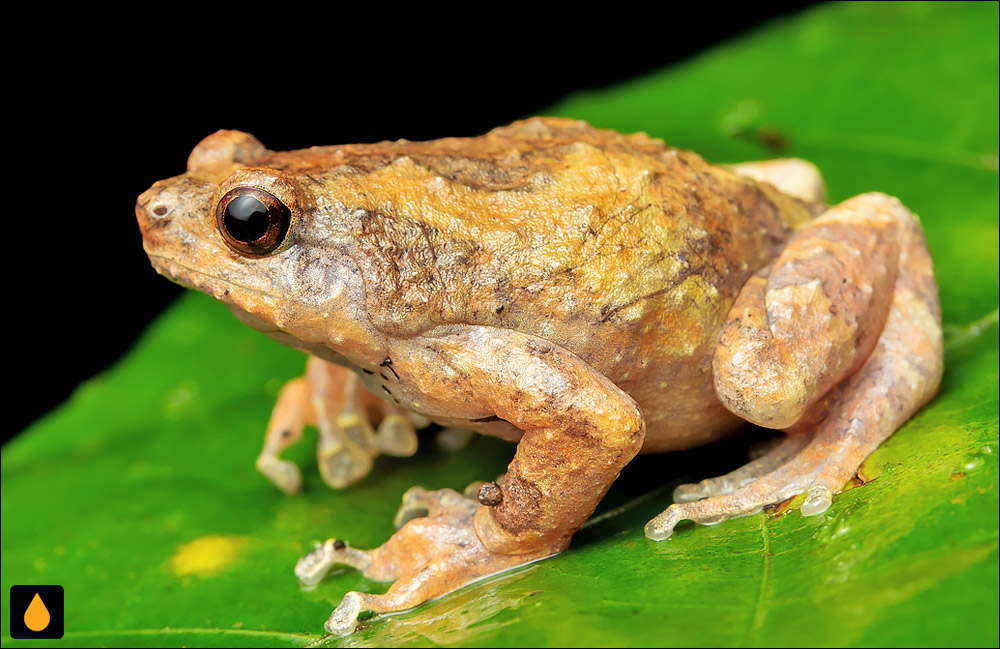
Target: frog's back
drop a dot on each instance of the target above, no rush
(620, 249)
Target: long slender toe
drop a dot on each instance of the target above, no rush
(817, 501)
(662, 526)
(344, 618)
(283, 473)
(311, 568)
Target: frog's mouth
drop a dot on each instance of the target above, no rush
(241, 300)
(218, 287)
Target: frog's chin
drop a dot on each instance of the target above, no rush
(289, 340)
(236, 298)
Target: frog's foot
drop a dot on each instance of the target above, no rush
(818, 468)
(749, 489)
(741, 477)
(428, 557)
(807, 337)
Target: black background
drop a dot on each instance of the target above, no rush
(104, 113)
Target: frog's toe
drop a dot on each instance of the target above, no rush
(283, 473)
(396, 436)
(415, 504)
(818, 500)
(818, 480)
(344, 618)
(817, 465)
(420, 503)
(776, 455)
(342, 462)
(688, 493)
(311, 568)
(716, 509)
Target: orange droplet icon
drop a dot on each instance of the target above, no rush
(36, 617)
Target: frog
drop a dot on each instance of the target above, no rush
(585, 294)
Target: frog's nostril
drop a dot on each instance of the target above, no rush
(159, 210)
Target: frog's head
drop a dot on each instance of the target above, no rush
(240, 227)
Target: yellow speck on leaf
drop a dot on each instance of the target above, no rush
(206, 556)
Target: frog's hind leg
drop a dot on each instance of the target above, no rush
(788, 352)
(798, 178)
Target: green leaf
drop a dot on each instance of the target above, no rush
(139, 495)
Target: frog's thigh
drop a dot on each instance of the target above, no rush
(799, 178)
(801, 325)
(900, 375)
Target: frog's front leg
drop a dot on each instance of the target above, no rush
(839, 341)
(579, 430)
(333, 399)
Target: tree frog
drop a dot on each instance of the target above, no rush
(586, 294)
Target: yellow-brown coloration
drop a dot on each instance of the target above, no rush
(587, 294)
(206, 556)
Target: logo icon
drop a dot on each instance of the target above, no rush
(36, 612)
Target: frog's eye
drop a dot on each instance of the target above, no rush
(252, 221)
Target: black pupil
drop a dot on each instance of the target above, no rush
(246, 219)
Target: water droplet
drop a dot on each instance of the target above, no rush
(36, 617)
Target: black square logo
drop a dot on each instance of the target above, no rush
(36, 612)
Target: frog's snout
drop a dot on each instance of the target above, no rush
(168, 214)
(152, 210)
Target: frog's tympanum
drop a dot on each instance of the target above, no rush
(585, 294)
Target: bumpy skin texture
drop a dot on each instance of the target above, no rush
(588, 294)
